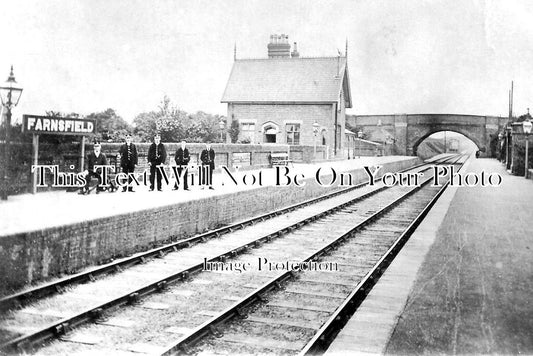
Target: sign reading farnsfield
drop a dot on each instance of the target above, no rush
(57, 125)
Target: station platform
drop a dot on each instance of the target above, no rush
(462, 283)
(29, 212)
(57, 232)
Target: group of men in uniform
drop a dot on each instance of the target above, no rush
(157, 156)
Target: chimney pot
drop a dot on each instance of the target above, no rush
(294, 52)
(279, 46)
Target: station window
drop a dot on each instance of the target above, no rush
(247, 129)
(293, 134)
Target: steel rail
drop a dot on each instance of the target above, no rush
(211, 325)
(324, 336)
(24, 297)
(58, 328)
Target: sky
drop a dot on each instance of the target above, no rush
(404, 56)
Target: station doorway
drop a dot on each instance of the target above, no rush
(270, 135)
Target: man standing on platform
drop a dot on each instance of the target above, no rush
(157, 155)
(95, 158)
(128, 160)
(208, 160)
(182, 159)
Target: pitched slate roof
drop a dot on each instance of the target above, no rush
(288, 80)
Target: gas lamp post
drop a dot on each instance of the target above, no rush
(10, 93)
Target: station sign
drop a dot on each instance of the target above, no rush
(57, 125)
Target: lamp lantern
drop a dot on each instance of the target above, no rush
(526, 125)
(315, 128)
(10, 92)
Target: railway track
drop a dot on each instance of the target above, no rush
(28, 296)
(294, 313)
(299, 232)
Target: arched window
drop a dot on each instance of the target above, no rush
(270, 132)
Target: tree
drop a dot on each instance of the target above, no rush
(145, 126)
(234, 131)
(168, 121)
(109, 126)
(175, 125)
(203, 127)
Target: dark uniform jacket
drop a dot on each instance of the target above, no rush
(92, 161)
(159, 157)
(123, 151)
(208, 158)
(182, 157)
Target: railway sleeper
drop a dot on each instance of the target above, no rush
(241, 313)
(162, 286)
(215, 331)
(133, 298)
(262, 298)
(185, 349)
(24, 347)
(96, 314)
(61, 329)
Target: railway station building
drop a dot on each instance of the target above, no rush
(289, 99)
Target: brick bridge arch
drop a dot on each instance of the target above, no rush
(407, 131)
(414, 146)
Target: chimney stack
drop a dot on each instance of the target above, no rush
(294, 53)
(279, 46)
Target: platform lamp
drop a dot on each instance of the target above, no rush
(359, 136)
(316, 126)
(221, 126)
(10, 93)
(526, 125)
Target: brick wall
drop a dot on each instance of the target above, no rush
(67, 157)
(279, 114)
(40, 255)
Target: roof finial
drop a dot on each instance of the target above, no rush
(235, 52)
(346, 51)
(11, 77)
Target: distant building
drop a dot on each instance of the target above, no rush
(279, 98)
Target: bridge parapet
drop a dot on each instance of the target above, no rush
(408, 130)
